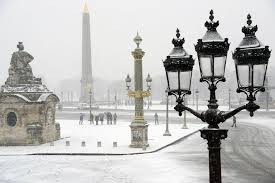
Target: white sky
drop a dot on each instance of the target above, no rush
(51, 32)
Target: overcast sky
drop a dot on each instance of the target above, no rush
(51, 32)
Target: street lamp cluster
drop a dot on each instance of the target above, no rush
(251, 60)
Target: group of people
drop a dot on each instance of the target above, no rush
(95, 119)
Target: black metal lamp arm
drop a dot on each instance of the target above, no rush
(251, 107)
(180, 108)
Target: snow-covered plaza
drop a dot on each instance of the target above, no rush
(106, 135)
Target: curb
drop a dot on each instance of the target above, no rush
(115, 154)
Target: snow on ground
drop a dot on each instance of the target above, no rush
(107, 134)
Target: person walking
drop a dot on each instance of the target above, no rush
(91, 119)
(96, 119)
(107, 117)
(234, 122)
(114, 117)
(111, 118)
(156, 119)
(81, 118)
(101, 118)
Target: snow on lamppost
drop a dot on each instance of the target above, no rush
(139, 127)
(251, 60)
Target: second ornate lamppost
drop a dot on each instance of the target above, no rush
(149, 82)
(139, 127)
(251, 59)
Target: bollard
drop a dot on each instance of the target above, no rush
(114, 144)
(98, 144)
(144, 148)
(52, 143)
(67, 143)
(83, 144)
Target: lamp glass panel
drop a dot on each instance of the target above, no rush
(148, 84)
(127, 83)
(259, 74)
(173, 80)
(243, 74)
(219, 66)
(205, 66)
(185, 80)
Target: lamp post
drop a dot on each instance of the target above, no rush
(90, 100)
(149, 82)
(167, 133)
(184, 126)
(229, 99)
(197, 99)
(139, 127)
(251, 59)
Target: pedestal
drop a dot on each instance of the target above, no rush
(214, 137)
(139, 135)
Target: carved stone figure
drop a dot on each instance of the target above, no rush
(20, 71)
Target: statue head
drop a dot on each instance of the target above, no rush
(20, 46)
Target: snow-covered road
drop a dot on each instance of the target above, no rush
(248, 156)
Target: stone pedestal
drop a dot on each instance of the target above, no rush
(139, 135)
(27, 110)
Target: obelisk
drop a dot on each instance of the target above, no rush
(86, 79)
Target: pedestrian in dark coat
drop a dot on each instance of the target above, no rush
(91, 119)
(156, 119)
(101, 118)
(115, 118)
(234, 122)
(81, 118)
(96, 119)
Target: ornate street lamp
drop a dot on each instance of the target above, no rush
(139, 127)
(251, 59)
(90, 107)
(178, 66)
(128, 82)
(149, 82)
(212, 53)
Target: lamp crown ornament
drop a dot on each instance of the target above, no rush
(211, 25)
(249, 30)
(148, 79)
(137, 40)
(178, 42)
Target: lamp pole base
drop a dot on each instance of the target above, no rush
(167, 133)
(214, 137)
(139, 135)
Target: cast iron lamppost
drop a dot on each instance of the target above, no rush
(197, 99)
(229, 99)
(128, 85)
(184, 126)
(251, 59)
(90, 97)
(167, 133)
(149, 82)
(139, 127)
